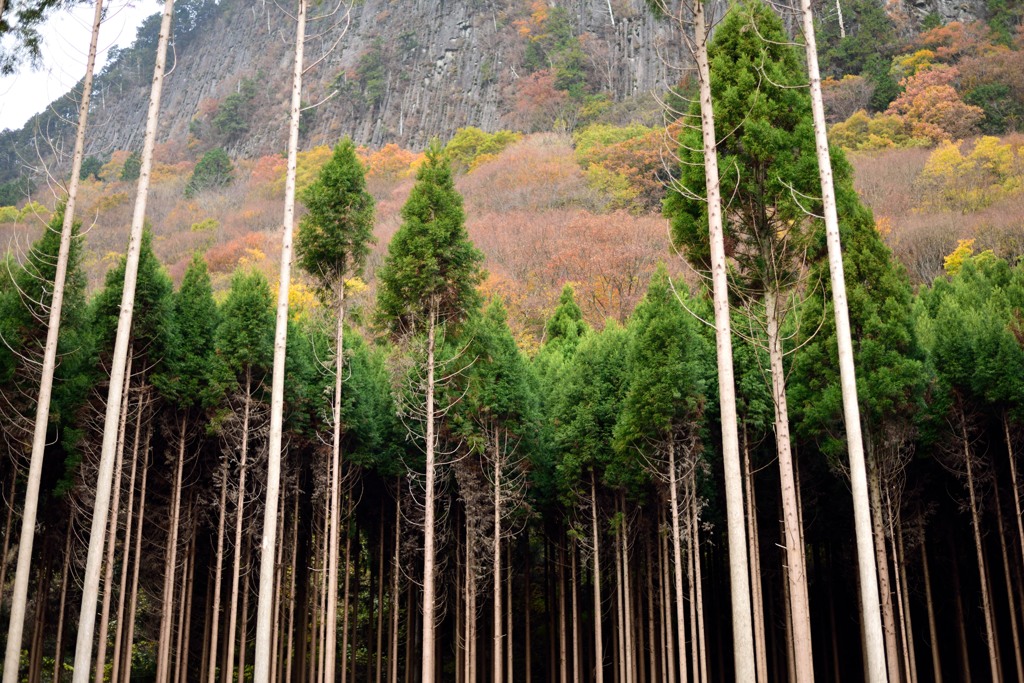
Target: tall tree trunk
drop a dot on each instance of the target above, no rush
(872, 626)
(91, 576)
(527, 633)
(692, 587)
(627, 601)
(1014, 630)
(652, 611)
(508, 609)
(331, 648)
(677, 556)
(901, 596)
(497, 656)
(264, 610)
(933, 633)
(796, 569)
(428, 647)
(9, 503)
(163, 671)
(185, 628)
(108, 578)
(23, 569)
(126, 553)
(668, 635)
(882, 562)
(129, 640)
(275, 658)
(908, 621)
(58, 650)
(1015, 487)
(620, 631)
(598, 636)
(211, 672)
(236, 568)
(986, 600)
(757, 598)
(346, 602)
(291, 589)
(243, 628)
(35, 668)
(739, 576)
(698, 580)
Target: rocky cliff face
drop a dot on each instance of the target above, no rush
(391, 71)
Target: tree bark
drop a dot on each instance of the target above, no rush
(9, 502)
(395, 594)
(185, 628)
(291, 590)
(331, 648)
(428, 647)
(264, 611)
(908, 620)
(882, 563)
(796, 569)
(598, 636)
(228, 673)
(739, 576)
(243, 628)
(163, 671)
(627, 597)
(218, 574)
(91, 576)
(574, 606)
(129, 640)
(668, 634)
(345, 603)
(1014, 630)
(965, 660)
(698, 580)
(872, 626)
(126, 555)
(986, 600)
(1011, 455)
(19, 594)
(677, 555)
(58, 650)
(933, 633)
(108, 578)
(757, 598)
(497, 656)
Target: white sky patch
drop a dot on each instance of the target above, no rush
(65, 49)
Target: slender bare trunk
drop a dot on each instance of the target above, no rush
(183, 671)
(668, 635)
(757, 598)
(901, 595)
(796, 569)
(986, 600)
(598, 636)
(1015, 487)
(9, 503)
(933, 632)
(695, 517)
(497, 657)
(692, 588)
(236, 568)
(345, 602)
(163, 671)
(126, 557)
(627, 597)
(331, 648)
(508, 609)
(108, 577)
(882, 562)
(380, 598)
(528, 634)
(275, 657)
(91, 576)
(211, 672)
(908, 620)
(264, 615)
(677, 553)
(427, 661)
(243, 628)
(19, 596)
(739, 576)
(1014, 630)
(129, 640)
(872, 627)
(58, 650)
(620, 632)
(291, 590)
(652, 639)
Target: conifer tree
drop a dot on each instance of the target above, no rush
(428, 287)
(332, 244)
(767, 161)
